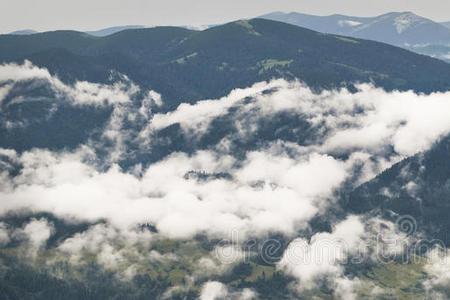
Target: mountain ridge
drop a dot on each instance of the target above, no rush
(403, 29)
(363, 27)
(209, 63)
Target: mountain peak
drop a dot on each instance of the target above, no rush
(402, 28)
(406, 20)
(395, 14)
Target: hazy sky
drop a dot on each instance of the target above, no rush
(95, 14)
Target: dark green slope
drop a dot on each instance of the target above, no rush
(418, 186)
(133, 42)
(189, 65)
(16, 46)
(318, 59)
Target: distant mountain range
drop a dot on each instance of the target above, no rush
(102, 32)
(112, 30)
(397, 28)
(403, 29)
(109, 30)
(209, 63)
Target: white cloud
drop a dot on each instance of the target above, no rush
(345, 288)
(213, 290)
(10, 153)
(247, 294)
(178, 205)
(355, 240)
(268, 191)
(38, 232)
(365, 125)
(4, 91)
(306, 175)
(368, 120)
(198, 116)
(437, 266)
(348, 23)
(26, 71)
(35, 234)
(120, 251)
(323, 254)
(80, 93)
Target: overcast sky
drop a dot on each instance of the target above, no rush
(95, 14)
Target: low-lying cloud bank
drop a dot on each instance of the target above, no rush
(368, 120)
(277, 188)
(268, 193)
